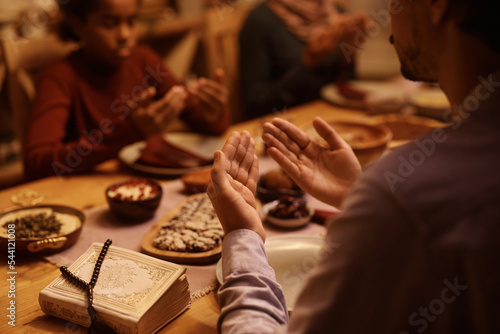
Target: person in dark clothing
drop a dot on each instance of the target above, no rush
(284, 60)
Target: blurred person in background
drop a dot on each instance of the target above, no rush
(376, 59)
(416, 245)
(110, 93)
(289, 49)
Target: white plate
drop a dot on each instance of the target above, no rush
(201, 145)
(431, 102)
(286, 223)
(381, 89)
(292, 257)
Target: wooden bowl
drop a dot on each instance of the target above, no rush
(196, 182)
(368, 141)
(408, 127)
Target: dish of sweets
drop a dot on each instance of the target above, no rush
(176, 153)
(190, 233)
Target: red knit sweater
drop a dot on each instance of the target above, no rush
(80, 117)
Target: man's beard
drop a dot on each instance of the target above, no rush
(410, 75)
(413, 66)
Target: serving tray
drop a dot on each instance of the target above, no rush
(174, 256)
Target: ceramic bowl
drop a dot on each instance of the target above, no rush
(135, 199)
(291, 222)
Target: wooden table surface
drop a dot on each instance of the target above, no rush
(87, 191)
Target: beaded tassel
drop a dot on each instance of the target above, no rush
(96, 327)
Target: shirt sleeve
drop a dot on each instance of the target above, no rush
(251, 300)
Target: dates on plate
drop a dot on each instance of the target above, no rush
(289, 207)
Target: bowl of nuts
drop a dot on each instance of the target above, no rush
(136, 199)
(287, 212)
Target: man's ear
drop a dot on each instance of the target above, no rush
(438, 10)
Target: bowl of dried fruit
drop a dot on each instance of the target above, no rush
(39, 229)
(136, 199)
(287, 212)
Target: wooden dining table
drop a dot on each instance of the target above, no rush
(86, 191)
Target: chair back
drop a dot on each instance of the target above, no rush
(221, 45)
(24, 60)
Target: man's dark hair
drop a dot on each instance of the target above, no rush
(479, 18)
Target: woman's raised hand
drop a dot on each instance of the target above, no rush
(350, 30)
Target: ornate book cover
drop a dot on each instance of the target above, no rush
(135, 293)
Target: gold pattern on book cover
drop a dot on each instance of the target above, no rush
(123, 281)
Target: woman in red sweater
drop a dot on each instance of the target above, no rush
(110, 93)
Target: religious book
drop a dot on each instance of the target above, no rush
(134, 293)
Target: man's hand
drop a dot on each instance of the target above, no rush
(326, 173)
(234, 181)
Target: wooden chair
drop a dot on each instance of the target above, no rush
(177, 41)
(3, 69)
(10, 171)
(22, 60)
(221, 45)
(181, 57)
